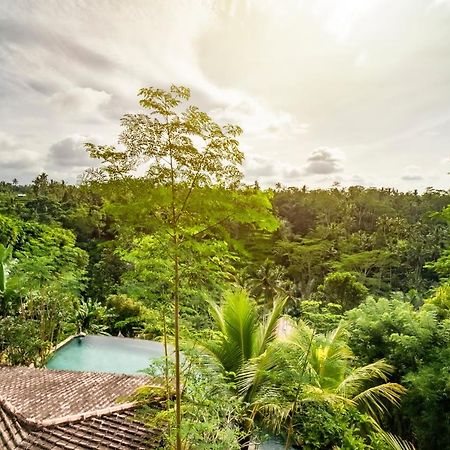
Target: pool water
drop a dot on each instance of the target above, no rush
(106, 354)
(273, 444)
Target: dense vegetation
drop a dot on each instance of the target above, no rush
(322, 316)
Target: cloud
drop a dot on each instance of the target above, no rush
(437, 3)
(361, 59)
(80, 101)
(268, 171)
(412, 173)
(16, 160)
(324, 161)
(255, 117)
(259, 166)
(69, 153)
(293, 76)
(291, 174)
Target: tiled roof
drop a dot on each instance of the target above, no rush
(52, 409)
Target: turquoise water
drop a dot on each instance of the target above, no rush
(273, 444)
(106, 354)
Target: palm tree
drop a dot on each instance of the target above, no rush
(268, 283)
(243, 349)
(332, 377)
(322, 364)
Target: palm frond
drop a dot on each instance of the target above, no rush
(316, 394)
(270, 324)
(301, 338)
(356, 381)
(254, 372)
(237, 321)
(216, 314)
(396, 442)
(374, 399)
(273, 415)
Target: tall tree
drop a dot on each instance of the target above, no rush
(192, 164)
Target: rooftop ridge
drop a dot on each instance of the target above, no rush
(36, 423)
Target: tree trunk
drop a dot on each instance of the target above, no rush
(177, 343)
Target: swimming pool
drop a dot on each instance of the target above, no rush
(106, 354)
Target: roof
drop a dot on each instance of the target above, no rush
(54, 409)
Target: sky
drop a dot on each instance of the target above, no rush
(355, 92)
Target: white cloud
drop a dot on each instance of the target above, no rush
(412, 173)
(16, 159)
(341, 18)
(7, 143)
(370, 77)
(70, 153)
(258, 166)
(268, 171)
(291, 174)
(256, 118)
(323, 161)
(362, 59)
(81, 102)
(437, 3)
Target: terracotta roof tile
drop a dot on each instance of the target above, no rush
(48, 409)
(114, 431)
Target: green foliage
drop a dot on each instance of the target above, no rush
(316, 372)
(382, 236)
(205, 267)
(91, 317)
(319, 315)
(243, 352)
(242, 347)
(127, 315)
(416, 342)
(304, 262)
(267, 282)
(428, 401)
(166, 137)
(211, 410)
(343, 289)
(5, 257)
(44, 284)
(442, 265)
(9, 231)
(186, 230)
(20, 342)
(439, 301)
(393, 330)
(192, 178)
(320, 426)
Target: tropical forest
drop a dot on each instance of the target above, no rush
(308, 318)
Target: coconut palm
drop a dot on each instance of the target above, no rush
(268, 283)
(322, 366)
(243, 348)
(332, 378)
